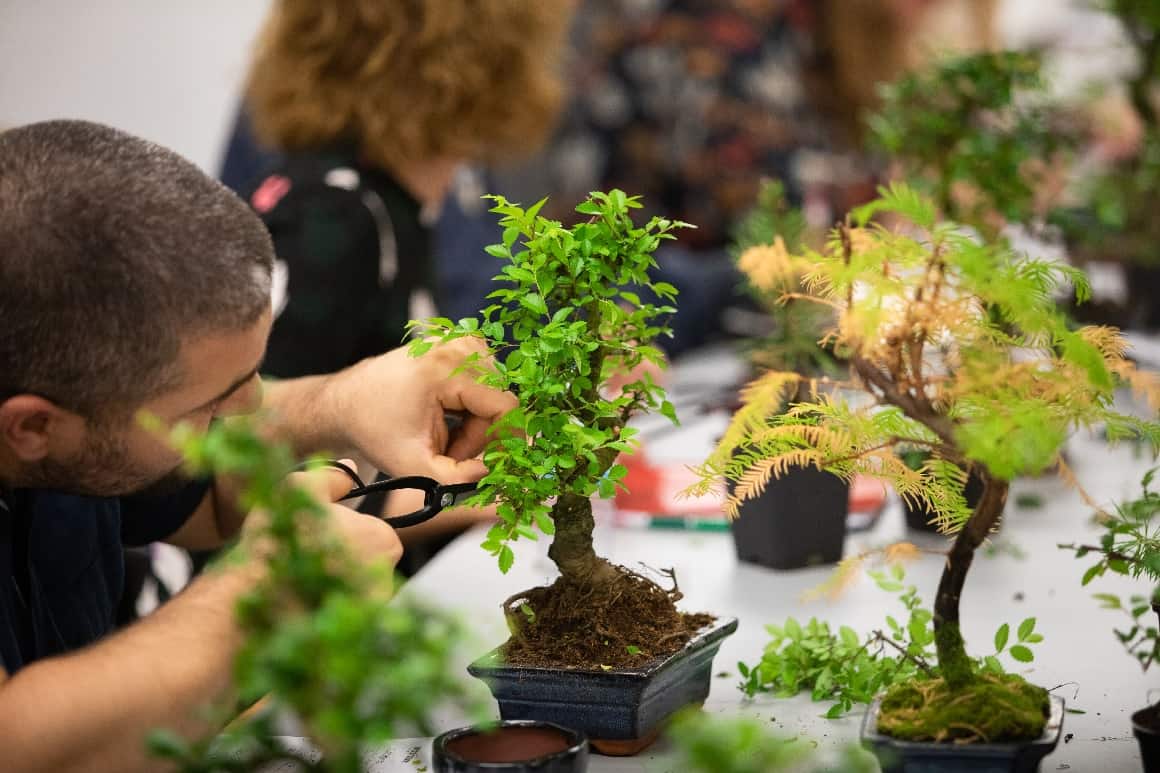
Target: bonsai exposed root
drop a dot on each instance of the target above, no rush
(992, 709)
(626, 622)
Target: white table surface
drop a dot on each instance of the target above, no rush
(1079, 649)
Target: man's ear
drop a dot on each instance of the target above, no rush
(28, 424)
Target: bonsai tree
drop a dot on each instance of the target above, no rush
(769, 532)
(795, 326)
(320, 639)
(960, 350)
(1120, 199)
(1130, 545)
(563, 326)
(973, 134)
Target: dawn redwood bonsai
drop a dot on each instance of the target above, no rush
(569, 322)
(962, 352)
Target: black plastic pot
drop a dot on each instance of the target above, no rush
(621, 711)
(1143, 289)
(897, 756)
(1146, 726)
(516, 746)
(919, 517)
(799, 520)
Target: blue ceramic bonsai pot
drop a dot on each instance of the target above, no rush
(518, 746)
(622, 710)
(898, 756)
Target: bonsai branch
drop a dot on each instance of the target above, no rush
(881, 638)
(891, 394)
(1111, 555)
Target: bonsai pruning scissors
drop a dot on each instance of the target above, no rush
(436, 496)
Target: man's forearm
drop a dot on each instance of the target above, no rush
(91, 711)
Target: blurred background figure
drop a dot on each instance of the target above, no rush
(374, 107)
(692, 103)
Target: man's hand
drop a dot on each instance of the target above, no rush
(392, 407)
(366, 538)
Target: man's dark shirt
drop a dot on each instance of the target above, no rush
(62, 567)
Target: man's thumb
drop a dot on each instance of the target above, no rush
(447, 470)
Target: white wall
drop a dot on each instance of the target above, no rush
(167, 70)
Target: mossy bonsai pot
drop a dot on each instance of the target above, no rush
(518, 746)
(897, 756)
(620, 710)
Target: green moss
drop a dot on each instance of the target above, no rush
(992, 709)
(953, 661)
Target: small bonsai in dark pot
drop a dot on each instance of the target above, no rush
(570, 328)
(800, 518)
(963, 353)
(1130, 544)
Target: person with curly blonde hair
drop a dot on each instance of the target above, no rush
(373, 106)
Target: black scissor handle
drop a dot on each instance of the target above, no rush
(436, 497)
(429, 487)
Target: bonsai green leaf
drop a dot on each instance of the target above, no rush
(1026, 629)
(1109, 601)
(1001, 637)
(1089, 358)
(167, 745)
(1092, 573)
(506, 559)
(534, 302)
(1021, 653)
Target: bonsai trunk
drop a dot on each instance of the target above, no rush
(954, 663)
(571, 548)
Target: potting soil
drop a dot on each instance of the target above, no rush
(626, 623)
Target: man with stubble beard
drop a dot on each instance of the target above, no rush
(130, 284)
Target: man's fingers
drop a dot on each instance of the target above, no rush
(448, 470)
(327, 483)
(469, 439)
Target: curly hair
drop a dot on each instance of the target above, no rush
(409, 80)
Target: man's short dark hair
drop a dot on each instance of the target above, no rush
(113, 251)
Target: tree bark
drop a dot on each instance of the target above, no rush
(954, 663)
(571, 548)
